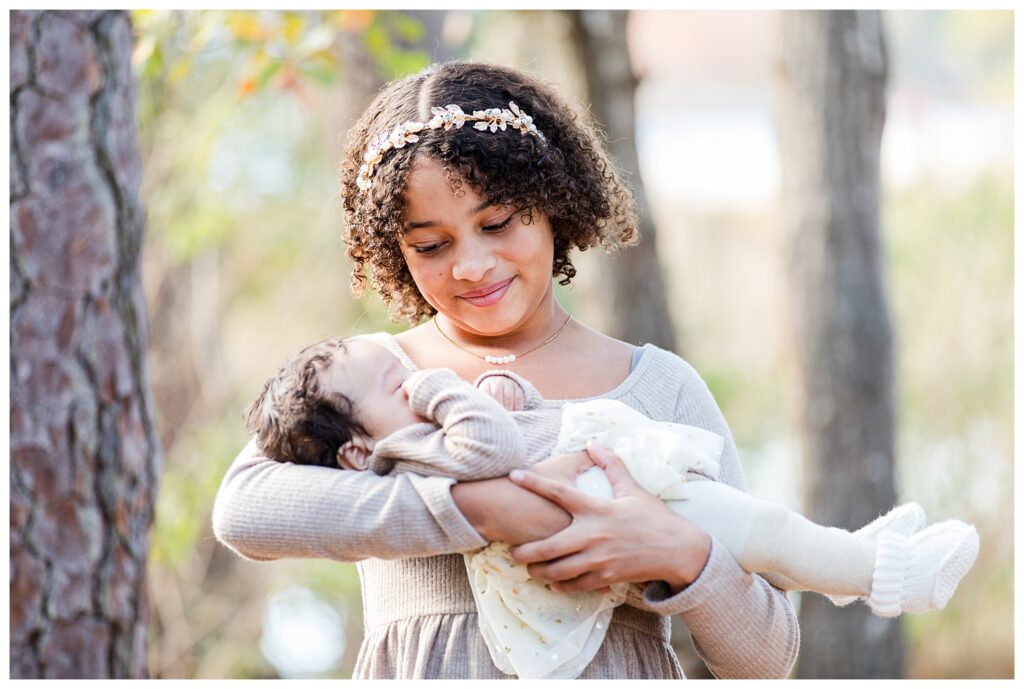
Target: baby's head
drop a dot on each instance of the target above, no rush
(330, 404)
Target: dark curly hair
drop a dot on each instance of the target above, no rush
(294, 420)
(570, 178)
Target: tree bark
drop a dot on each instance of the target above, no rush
(84, 455)
(831, 110)
(632, 281)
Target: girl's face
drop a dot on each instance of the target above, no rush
(486, 268)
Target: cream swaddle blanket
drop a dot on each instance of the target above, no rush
(536, 633)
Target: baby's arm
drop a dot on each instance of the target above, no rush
(477, 438)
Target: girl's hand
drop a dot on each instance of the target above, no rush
(502, 511)
(564, 468)
(633, 538)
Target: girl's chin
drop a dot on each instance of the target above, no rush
(487, 323)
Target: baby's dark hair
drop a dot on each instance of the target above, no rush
(294, 420)
(570, 178)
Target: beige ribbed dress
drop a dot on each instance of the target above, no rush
(406, 534)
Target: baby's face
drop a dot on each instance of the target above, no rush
(372, 378)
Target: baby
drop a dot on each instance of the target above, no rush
(352, 404)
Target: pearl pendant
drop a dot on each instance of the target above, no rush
(500, 359)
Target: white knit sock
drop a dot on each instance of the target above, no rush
(920, 573)
(904, 519)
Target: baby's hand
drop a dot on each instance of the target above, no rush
(505, 390)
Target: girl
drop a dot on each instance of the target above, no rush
(462, 220)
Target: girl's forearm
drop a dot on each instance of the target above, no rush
(266, 510)
(502, 511)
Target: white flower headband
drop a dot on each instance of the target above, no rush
(449, 116)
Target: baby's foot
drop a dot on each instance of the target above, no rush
(904, 519)
(920, 573)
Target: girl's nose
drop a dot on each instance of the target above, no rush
(472, 262)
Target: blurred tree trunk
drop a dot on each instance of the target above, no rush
(433, 39)
(632, 281)
(831, 113)
(84, 457)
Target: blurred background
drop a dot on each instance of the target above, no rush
(242, 119)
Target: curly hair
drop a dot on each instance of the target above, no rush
(570, 178)
(294, 420)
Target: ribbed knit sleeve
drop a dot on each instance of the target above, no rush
(265, 510)
(468, 437)
(741, 625)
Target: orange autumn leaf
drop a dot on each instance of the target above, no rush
(354, 20)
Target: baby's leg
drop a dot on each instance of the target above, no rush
(769, 538)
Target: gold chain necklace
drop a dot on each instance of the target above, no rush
(502, 359)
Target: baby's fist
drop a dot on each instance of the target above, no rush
(506, 391)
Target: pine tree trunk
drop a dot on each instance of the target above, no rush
(632, 281)
(84, 456)
(831, 113)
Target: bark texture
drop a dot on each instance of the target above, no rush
(84, 459)
(632, 281)
(831, 113)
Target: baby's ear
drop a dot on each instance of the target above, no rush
(355, 454)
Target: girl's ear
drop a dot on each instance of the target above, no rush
(355, 454)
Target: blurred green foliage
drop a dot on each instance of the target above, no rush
(206, 75)
(951, 265)
(240, 193)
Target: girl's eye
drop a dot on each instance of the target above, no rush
(426, 248)
(500, 226)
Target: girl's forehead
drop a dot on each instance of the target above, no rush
(427, 173)
(429, 190)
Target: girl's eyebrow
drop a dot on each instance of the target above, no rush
(430, 223)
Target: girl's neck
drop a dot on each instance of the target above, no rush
(541, 325)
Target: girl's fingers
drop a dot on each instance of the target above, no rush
(618, 475)
(559, 545)
(562, 569)
(586, 582)
(573, 574)
(562, 494)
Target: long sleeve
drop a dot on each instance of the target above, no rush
(469, 437)
(265, 510)
(741, 625)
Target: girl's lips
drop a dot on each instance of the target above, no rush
(487, 296)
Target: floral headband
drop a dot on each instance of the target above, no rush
(449, 116)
